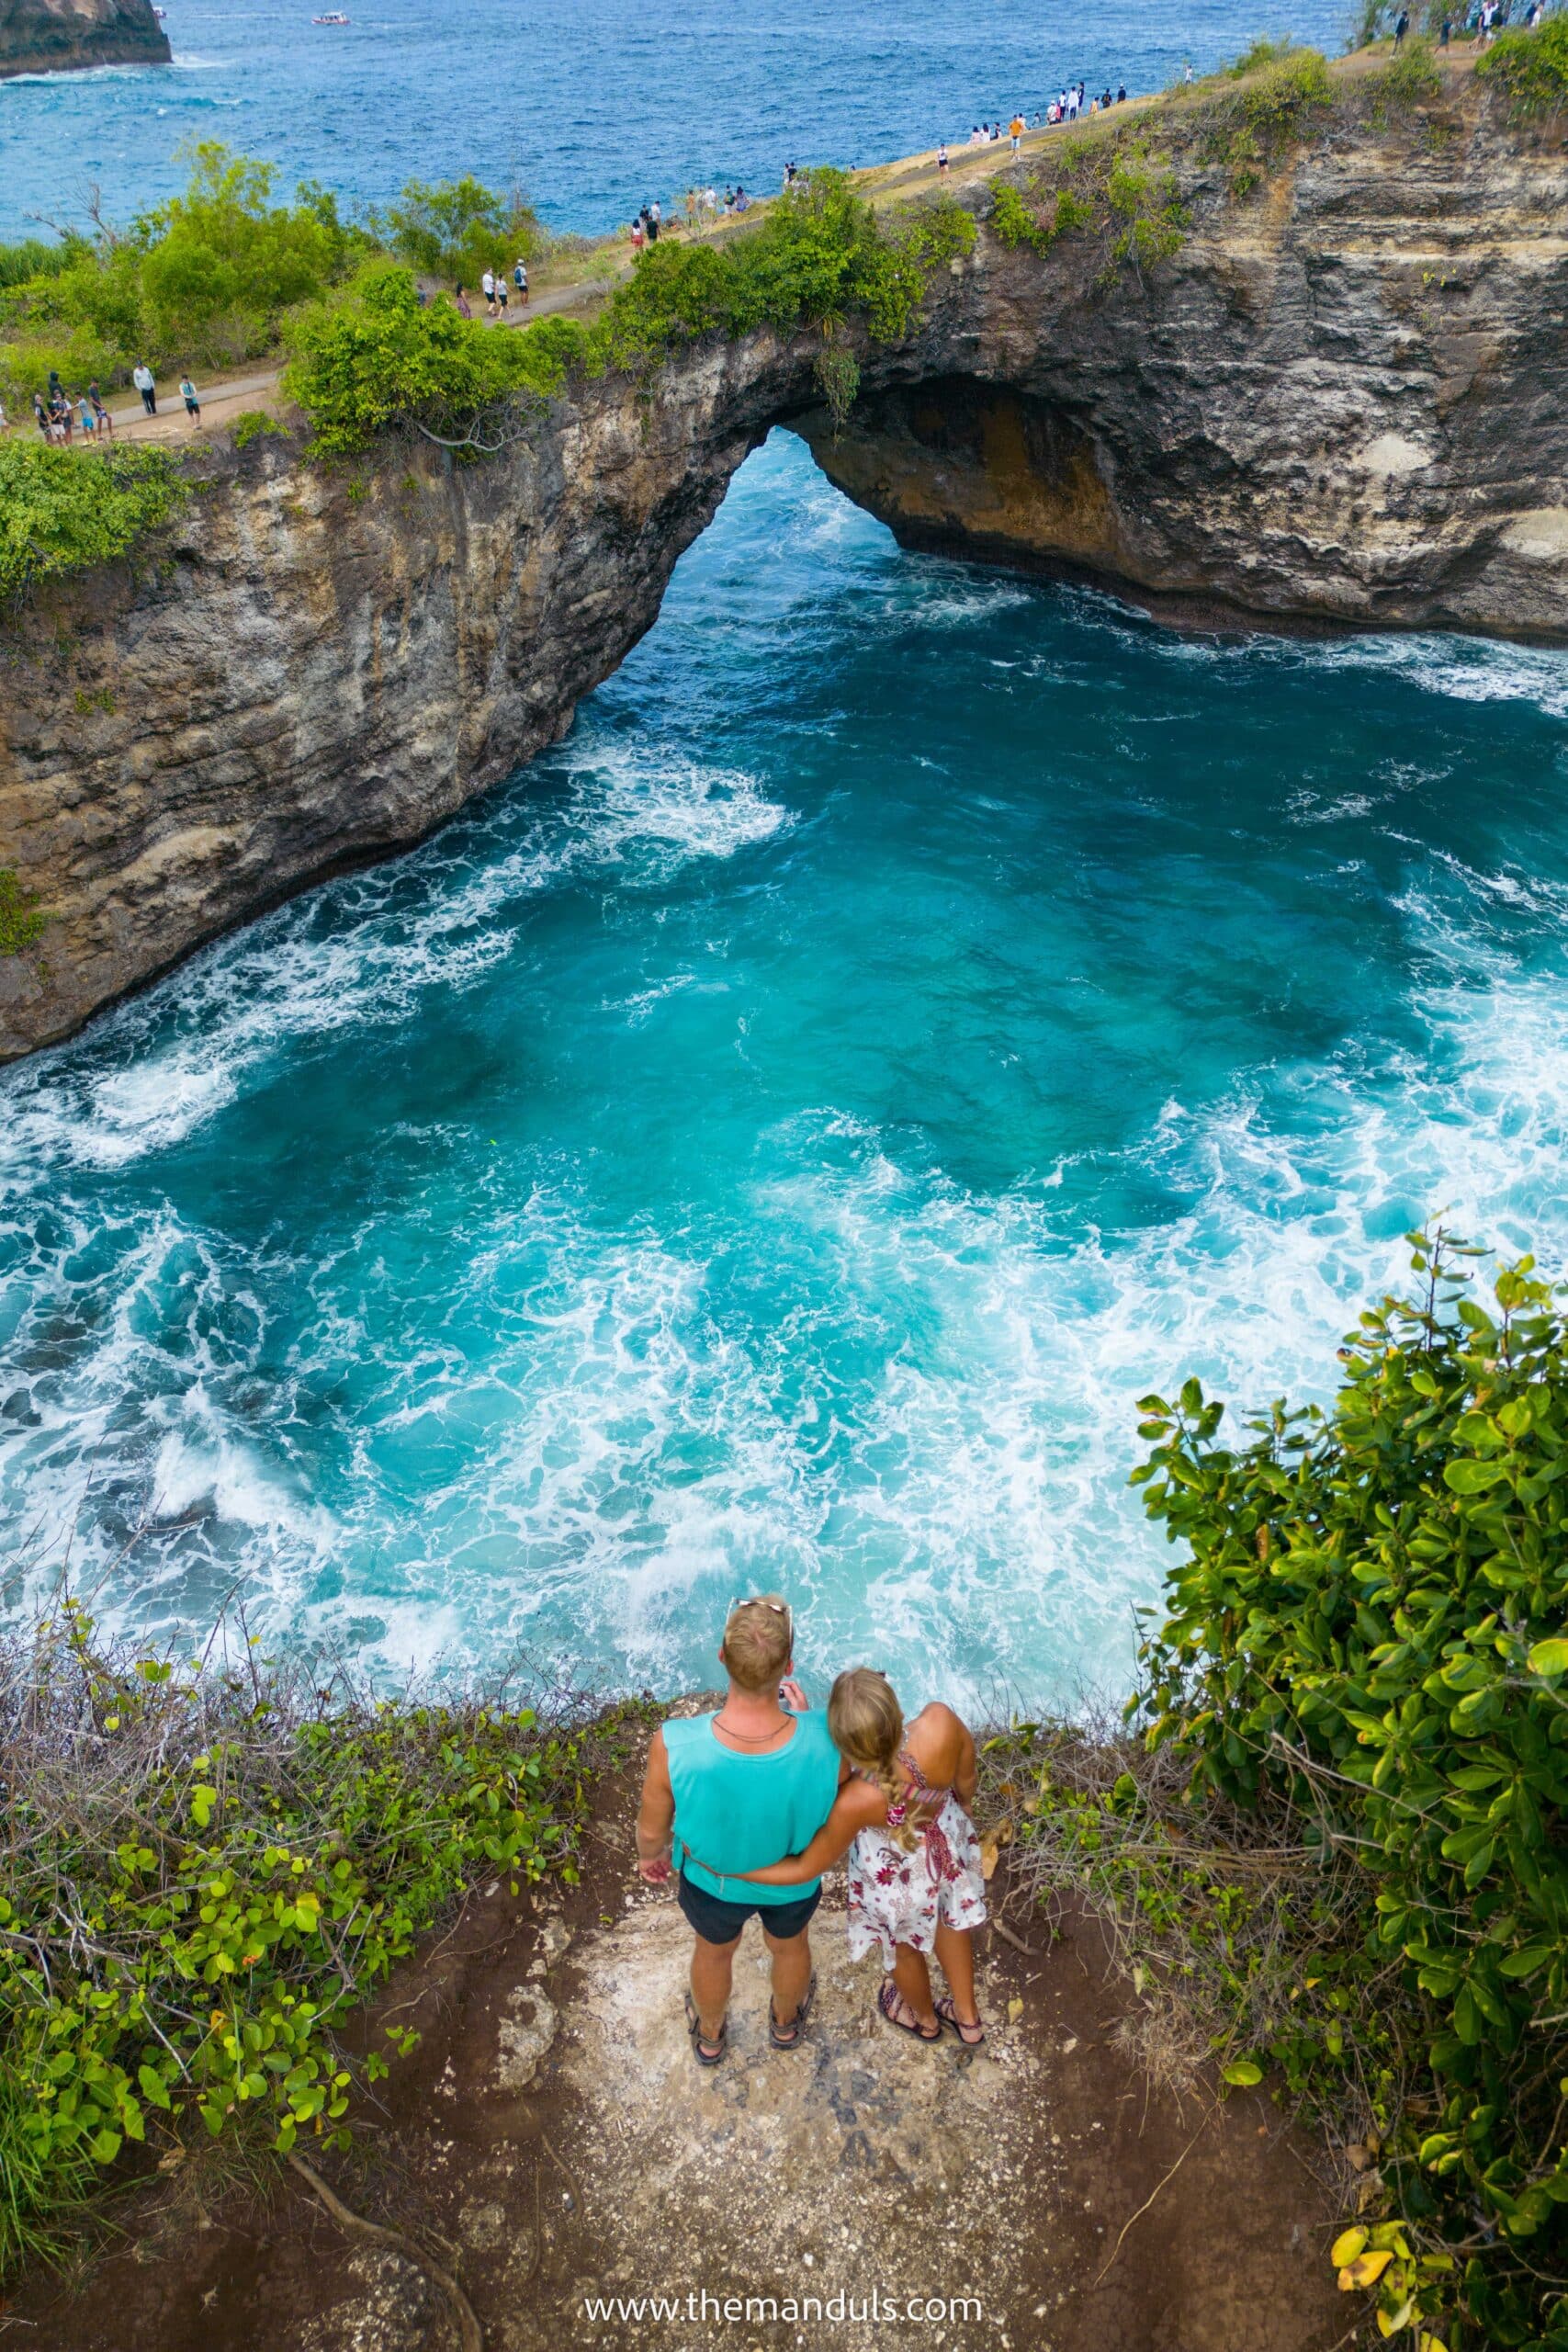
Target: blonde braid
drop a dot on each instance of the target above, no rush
(867, 1727)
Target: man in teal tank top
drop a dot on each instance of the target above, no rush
(733, 1791)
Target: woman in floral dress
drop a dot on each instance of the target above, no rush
(915, 1881)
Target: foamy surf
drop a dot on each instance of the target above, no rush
(776, 1140)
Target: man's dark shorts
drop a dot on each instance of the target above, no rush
(719, 1923)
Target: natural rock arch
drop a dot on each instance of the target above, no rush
(1337, 407)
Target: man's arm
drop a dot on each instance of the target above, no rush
(861, 1805)
(656, 1815)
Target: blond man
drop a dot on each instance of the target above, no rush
(733, 1791)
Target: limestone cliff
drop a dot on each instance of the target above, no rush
(61, 35)
(1339, 404)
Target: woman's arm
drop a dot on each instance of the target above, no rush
(859, 1807)
(965, 1777)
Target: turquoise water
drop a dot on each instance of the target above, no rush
(775, 1138)
(595, 106)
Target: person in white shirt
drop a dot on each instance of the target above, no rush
(487, 285)
(141, 375)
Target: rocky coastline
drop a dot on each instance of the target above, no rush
(68, 36)
(1335, 406)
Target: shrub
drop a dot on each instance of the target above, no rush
(1531, 70)
(202, 1873)
(1262, 52)
(1014, 223)
(63, 509)
(375, 356)
(1276, 102)
(21, 920)
(1409, 79)
(200, 281)
(251, 424)
(1371, 1628)
(458, 229)
(371, 357)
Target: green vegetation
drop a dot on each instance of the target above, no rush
(201, 282)
(202, 1872)
(1340, 1849)
(21, 919)
(36, 257)
(1114, 194)
(1532, 69)
(460, 228)
(373, 356)
(62, 509)
(251, 423)
(1409, 79)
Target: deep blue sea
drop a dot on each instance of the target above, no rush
(593, 105)
(774, 1139)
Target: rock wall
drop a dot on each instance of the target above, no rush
(1339, 405)
(62, 36)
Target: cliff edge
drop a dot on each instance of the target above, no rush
(64, 36)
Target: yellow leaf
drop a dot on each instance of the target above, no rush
(1365, 2271)
(990, 1846)
(1430, 2344)
(1391, 2323)
(1347, 2246)
(1015, 2010)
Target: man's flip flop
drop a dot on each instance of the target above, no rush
(787, 2037)
(971, 2036)
(712, 2054)
(884, 2001)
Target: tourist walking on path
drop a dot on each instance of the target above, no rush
(105, 421)
(916, 1883)
(725, 1794)
(464, 309)
(520, 279)
(1015, 131)
(141, 375)
(87, 421)
(941, 160)
(486, 287)
(1401, 27)
(187, 394)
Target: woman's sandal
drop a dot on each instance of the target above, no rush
(972, 2035)
(787, 2037)
(706, 2053)
(885, 1999)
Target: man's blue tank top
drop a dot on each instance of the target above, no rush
(738, 1811)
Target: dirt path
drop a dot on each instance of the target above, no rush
(552, 2141)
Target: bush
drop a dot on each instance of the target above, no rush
(63, 509)
(375, 355)
(21, 920)
(460, 228)
(1531, 70)
(1371, 1628)
(1409, 79)
(1013, 222)
(371, 357)
(202, 1873)
(201, 281)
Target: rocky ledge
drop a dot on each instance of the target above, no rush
(1338, 405)
(63, 35)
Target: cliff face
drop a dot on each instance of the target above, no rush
(59, 36)
(1340, 405)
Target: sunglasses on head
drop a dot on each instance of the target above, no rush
(780, 1609)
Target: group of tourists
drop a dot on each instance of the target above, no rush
(1071, 102)
(745, 1808)
(496, 292)
(62, 416)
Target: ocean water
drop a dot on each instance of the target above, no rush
(593, 106)
(774, 1139)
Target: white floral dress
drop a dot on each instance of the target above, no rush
(901, 1898)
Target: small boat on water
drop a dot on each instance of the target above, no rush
(332, 16)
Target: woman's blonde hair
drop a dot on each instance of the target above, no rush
(867, 1727)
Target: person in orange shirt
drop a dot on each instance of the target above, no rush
(1015, 131)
